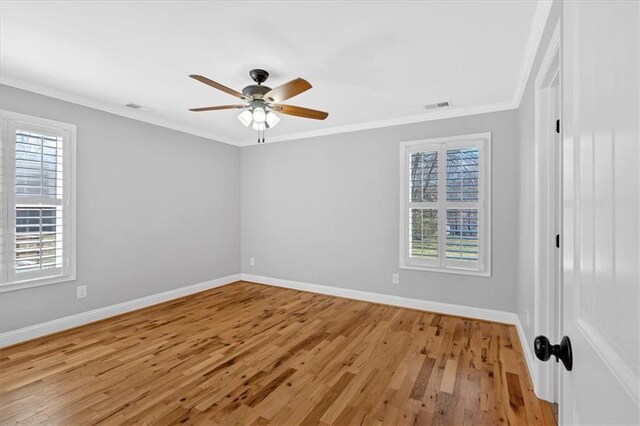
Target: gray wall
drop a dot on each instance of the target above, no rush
(526, 136)
(156, 210)
(326, 211)
(321, 210)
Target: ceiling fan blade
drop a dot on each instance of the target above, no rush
(219, 86)
(301, 112)
(216, 108)
(287, 90)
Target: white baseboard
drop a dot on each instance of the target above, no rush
(528, 353)
(60, 324)
(388, 299)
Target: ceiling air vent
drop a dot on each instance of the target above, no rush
(139, 107)
(437, 105)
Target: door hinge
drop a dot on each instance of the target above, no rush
(558, 126)
(558, 240)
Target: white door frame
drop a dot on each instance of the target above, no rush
(547, 219)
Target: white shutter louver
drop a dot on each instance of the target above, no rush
(422, 208)
(462, 170)
(39, 194)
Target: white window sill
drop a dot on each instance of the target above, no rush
(36, 282)
(446, 270)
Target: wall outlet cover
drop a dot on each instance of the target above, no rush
(252, 262)
(81, 292)
(395, 278)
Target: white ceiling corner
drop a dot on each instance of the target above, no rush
(375, 71)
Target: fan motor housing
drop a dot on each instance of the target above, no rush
(256, 91)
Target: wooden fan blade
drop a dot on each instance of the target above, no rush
(287, 90)
(216, 108)
(219, 86)
(301, 112)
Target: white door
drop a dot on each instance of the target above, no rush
(601, 218)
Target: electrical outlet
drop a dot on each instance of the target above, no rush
(81, 292)
(395, 278)
(252, 261)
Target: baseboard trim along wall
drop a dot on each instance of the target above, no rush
(60, 324)
(388, 299)
(528, 354)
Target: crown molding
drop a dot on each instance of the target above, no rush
(149, 118)
(541, 15)
(540, 18)
(122, 111)
(398, 121)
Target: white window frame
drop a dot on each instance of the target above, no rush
(10, 121)
(483, 266)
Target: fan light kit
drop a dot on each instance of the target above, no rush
(262, 102)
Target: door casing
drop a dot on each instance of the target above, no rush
(547, 213)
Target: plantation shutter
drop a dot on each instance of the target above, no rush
(462, 206)
(423, 205)
(36, 200)
(445, 188)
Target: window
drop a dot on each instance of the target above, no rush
(445, 199)
(38, 201)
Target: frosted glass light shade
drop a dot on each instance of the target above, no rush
(258, 126)
(259, 115)
(245, 118)
(272, 119)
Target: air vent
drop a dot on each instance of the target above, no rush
(139, 107)
(437, 105)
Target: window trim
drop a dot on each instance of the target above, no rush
(484, 202)
(10, 120)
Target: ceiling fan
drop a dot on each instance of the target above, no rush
(262, 102)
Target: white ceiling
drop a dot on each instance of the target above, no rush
(371, 63)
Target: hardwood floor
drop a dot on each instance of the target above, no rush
(253, 354)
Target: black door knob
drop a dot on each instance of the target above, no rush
(544, 349)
